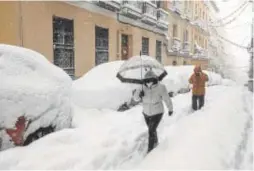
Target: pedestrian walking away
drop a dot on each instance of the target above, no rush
(198, 80)
(152, 96)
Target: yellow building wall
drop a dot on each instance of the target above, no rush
(9, 23)
(30, 24)
(202, 62)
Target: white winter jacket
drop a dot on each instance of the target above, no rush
(152, 100)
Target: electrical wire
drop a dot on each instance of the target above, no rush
(231, 20)
(233, 43)
(239, 25)
(232, 13)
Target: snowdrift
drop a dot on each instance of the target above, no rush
(208, 139)
(100, 88)
(211, 139)
(177, 79)
(32, 87)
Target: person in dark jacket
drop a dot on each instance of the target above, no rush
(198, 80)
(152, 95)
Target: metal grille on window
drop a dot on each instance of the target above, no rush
(145, 46)
(101, 45)
(158, 50)
(63, 43)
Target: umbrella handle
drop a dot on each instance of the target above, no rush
(141, 69)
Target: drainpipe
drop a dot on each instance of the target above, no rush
(20, 24)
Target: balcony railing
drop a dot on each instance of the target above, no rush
(149, 13)
(200, 52)
(176, 6)
(132, 9)
(109, 5)
(187, 13)
(176, 44)
(162, 17)
(186, 47)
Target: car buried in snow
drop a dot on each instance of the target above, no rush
(34, 97)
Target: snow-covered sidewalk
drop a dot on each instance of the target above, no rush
(106, 139)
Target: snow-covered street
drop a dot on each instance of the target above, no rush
(126, 85)
(219, 136)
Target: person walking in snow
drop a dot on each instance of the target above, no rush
(152, 96)
(198, 80)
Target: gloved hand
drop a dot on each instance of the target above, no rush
(170, 113)
(141, 94)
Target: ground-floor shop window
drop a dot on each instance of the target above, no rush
(101, 45)
(63, 44)
(145, 46)
(158, 50)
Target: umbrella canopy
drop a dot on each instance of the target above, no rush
(135, 69)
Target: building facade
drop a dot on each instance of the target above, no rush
(217, 49)
(78, 35)
(189, 36)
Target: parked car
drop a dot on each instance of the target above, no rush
(34, 97)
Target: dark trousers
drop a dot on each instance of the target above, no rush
(198, 102)
(152, 123)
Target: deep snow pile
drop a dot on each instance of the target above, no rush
(210, 139)
(100, 88)
(178, 76)
(32, 87)
(105, 139)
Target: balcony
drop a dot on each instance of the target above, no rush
(132, 9)
(186, 47)
(199, 52)
(162, 16)
(176, 44)
(176, 6)
(187, 14)
(149, 13)
(110, 5)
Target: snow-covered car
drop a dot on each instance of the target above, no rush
(100, 88)
(34, 97)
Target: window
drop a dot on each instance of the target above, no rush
(63, 43)
(149, 9)
(101, 45)
(195, 38)
(174, 2)
(174, 30)
(186, 36)
(125, 47)
(159, 4)
(174, 63)
(145, 46)
(158, 50)
(184, 63)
